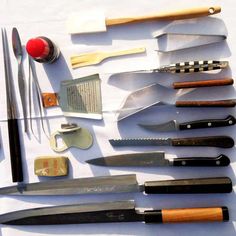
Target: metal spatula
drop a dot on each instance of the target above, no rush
(96, 57)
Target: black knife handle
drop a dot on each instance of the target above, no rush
(210, 141)
(210, 123)
(187, 215)
(221, 160)
(186, 186)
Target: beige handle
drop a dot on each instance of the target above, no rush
(172, 15)
(124, 52)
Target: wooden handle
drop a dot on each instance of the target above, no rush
(125, 52)
(217, 103)
(203, 83)
(172, 15)
(49, 99)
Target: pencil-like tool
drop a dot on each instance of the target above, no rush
(13, 130)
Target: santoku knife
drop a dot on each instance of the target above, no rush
(210, 141)
(173, 125)
(107, 212)
(121, 183)
(151, 159)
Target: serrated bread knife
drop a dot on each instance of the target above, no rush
(210, 141)
(121, 183)
(107, 212)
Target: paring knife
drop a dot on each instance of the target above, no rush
(173, 125)
(121, 183)
(152, 159)
(210, 141)
(107, 212)
(96, 21)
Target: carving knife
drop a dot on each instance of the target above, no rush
(152, 159)
(121, 183)
(173, 125)
(95, 21)
(107, 212)
(209, 141)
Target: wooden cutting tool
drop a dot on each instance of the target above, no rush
(94, 58)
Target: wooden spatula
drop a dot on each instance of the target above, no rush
(96, 57)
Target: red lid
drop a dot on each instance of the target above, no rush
(37, 48)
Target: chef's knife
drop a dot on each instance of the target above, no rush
(210, 141)
(95, 21)
(152, 159)
(107, 212)
(121, 183)
(173, 125)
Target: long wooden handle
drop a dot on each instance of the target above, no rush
(203, 83)
(217, 103)
(172, 15)
(185, 215)
(124, 52)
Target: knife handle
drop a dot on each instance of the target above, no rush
(209, 123)
(187, 186)
(216, 103)
(221, 160)
(187, 215)
(210, 141)
(49, 99)
(202, 83)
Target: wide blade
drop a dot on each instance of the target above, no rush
(104, 184)
(132, 159)
(164, 127)
(121, 211)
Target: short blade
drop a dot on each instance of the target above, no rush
(103, 184)
(16, 43)
(141, 142)
(164, 127)
(132, 159)
(120, 211)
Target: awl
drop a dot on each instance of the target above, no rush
(210, 141)
(107, 212)
(96, 21)
(174, 125)
(153, 159)
(121, 183)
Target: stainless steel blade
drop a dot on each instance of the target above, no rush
(141, 142)
(103, 184)
(120, 211)
(164, 127)
(132, 159)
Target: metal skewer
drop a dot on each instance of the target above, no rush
(13, 129)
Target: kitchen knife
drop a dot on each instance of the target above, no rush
(95, 21)
(173, 125)
(107, 212)
(210, 141)
(152, 159)
(121, 183)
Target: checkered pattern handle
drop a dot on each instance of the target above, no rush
(194, 66)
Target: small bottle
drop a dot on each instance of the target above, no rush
(42, 50)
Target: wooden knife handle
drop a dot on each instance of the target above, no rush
(210, 141)
(216, 103)
(203, 83)
(187, 215)
(49, 99)
(187, 186)
(171, 15)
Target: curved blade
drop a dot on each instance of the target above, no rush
(16, 43)
(164, 127)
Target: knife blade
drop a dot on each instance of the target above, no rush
(121, 183)
(152, 159)
(107, 212)
(173, 125)
(208, 141)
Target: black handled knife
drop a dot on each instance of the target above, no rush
(151, 159)
(210, 141)
(173, 125)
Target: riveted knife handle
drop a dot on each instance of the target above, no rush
(203, 83)
(187, 186)
(187, 215)
(209, 123)
(221, 160)
(210, 141)
(216, 103)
